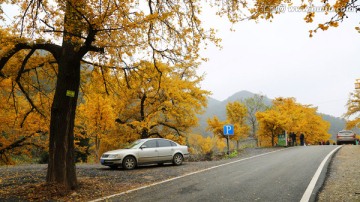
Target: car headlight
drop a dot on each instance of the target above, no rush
(115, 156)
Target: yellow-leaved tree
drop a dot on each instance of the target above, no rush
(112, 35)
(26, 96)
(160, 101)
(353, 110)
(96, 114)
(150, 101)
(288, 115)
(236, 114)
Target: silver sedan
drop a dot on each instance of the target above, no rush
(146, 151)
(345, 136)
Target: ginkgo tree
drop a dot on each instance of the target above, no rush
(286, 115)
(108, 34)
(161, 104)
(26, 96)
(142, 105)
(353, 110)
(236, 113)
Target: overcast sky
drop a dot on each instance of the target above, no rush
(278, 59)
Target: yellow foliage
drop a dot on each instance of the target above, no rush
(205, 145)
(24, 126)
(149, 101)
(236, 115)
(287, 115)
(309, 18)
(353, 110)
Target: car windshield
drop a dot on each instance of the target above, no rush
(134, 144)
(346, 131)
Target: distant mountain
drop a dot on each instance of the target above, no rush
(336, 124)
(218, 108)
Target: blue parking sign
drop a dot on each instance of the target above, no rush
(229, 129)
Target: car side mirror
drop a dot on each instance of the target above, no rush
(143, 147)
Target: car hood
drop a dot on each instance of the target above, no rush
(120, 151)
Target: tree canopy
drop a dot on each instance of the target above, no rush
(236, 113)
(288, 115)
(46, 47)
(112, 35)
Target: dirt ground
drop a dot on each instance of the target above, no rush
(26, 182)
(343, 179)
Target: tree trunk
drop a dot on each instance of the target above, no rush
(61, 167)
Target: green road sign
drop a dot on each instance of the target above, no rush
(70, 93)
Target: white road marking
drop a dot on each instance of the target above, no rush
(175, 178)
(311, 186)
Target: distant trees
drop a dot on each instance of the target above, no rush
(287, 115)
(254, 104)
(236, 115)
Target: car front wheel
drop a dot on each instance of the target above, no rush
(178, 159)
(129, 163)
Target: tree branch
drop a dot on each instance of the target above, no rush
(172, 127)
(17, 143)
(52, 48)
(20, 85)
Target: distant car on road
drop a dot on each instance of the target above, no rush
(346, 136)
(146, 151)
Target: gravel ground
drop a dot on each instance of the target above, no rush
(343, 178)
(26, 182)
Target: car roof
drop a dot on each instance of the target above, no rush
(156, 138)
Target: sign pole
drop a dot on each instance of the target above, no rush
(228, 130)
(228, 146)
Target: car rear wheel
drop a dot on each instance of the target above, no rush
(178, 159)
(129, 163)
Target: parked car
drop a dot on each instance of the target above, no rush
(346, 136)
(146, 151)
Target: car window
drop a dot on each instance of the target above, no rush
(150, 144)
(173, 144)
(134, 144)
(164, 143)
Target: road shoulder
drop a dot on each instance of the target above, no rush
(343, 177)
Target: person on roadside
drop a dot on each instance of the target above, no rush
(302, 137)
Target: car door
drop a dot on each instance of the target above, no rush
(148, 152)
(165, 149)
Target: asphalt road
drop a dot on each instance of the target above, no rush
(279, 176)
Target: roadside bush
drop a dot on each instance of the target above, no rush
(232, 154)
(204, 148)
